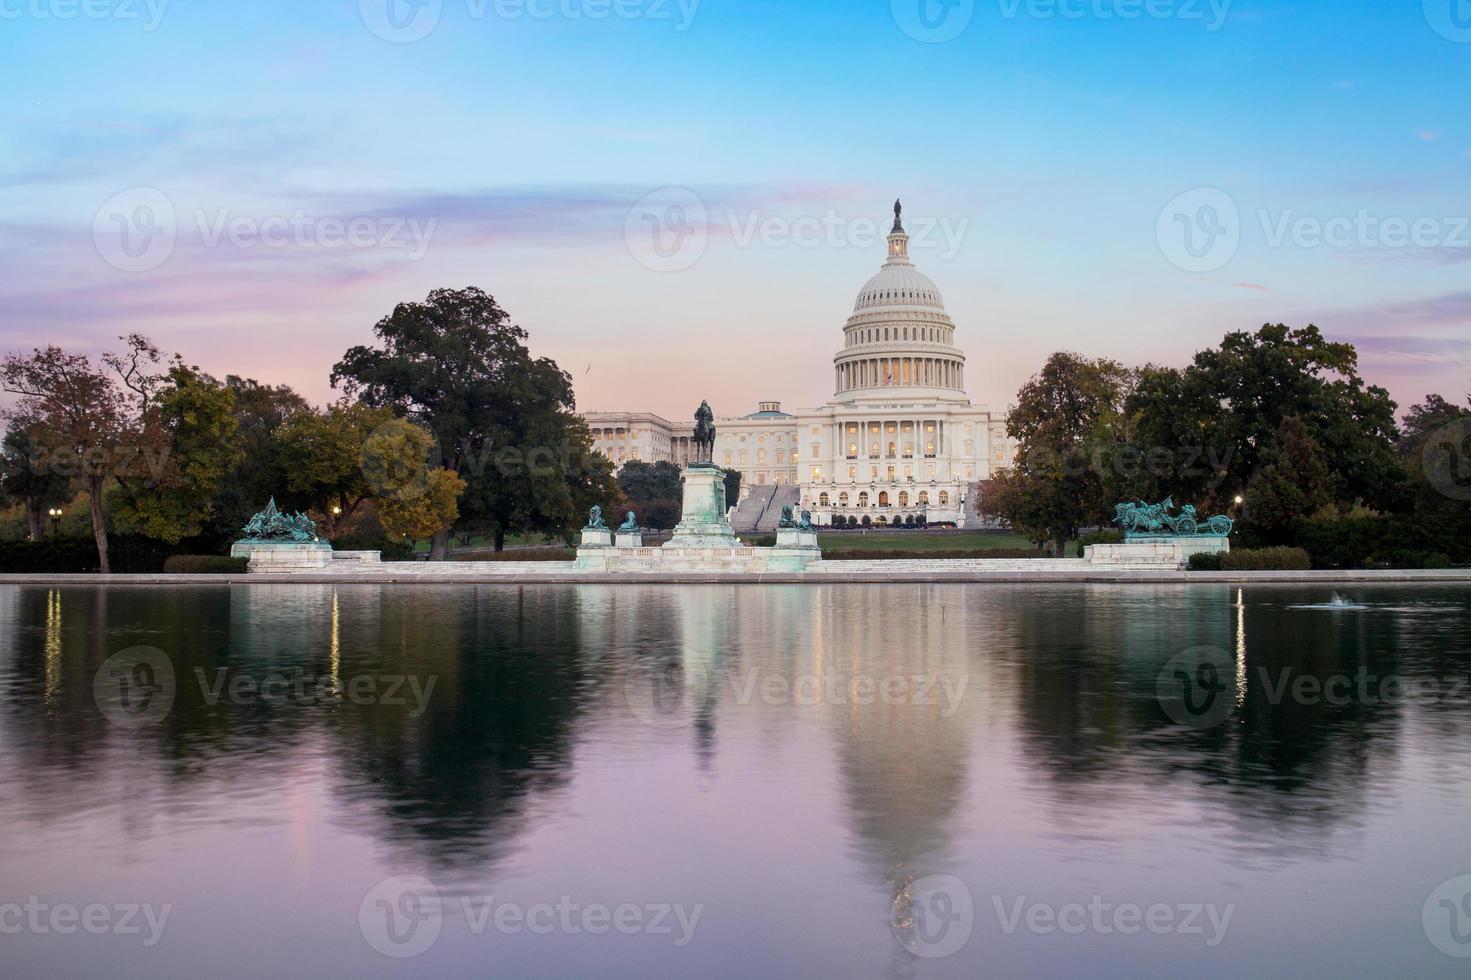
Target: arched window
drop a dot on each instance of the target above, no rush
(944, 498)
(924, 498)
(822, 500)
(842, 500)
(863, 499)
(903, 498)
(883, 498)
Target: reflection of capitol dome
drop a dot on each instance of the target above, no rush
(899, 335)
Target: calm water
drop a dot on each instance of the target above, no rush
(857, 781)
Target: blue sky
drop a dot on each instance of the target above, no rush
(1115, 177)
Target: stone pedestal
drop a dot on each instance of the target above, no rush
(630, 539)
(703, 522)
(596, 537)
(283, 556)
(1155, 551)
(791, 537)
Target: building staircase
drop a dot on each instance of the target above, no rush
(785, 496)
(760, 512)
(748, 512)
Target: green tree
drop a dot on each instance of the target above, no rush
(1255, 381)
(27, 476)
(642, 482)
(502, 420)
(260, 411)
(193, 441)
(323, 456)
(1435, 451)
(1068, 421)
(1294, 483)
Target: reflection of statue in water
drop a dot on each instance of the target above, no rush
(595, 519)
(704, 434)
(630, 523)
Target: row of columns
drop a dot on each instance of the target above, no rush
(865, 435)
(880, 372)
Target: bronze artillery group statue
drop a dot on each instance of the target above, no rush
(1141, 520)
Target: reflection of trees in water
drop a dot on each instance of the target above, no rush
(68, 757)
(452, 786)
(1285, 775)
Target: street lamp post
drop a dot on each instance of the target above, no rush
(55, 514)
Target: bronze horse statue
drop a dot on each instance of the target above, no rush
(704, 434)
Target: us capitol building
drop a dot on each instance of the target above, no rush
(899, 438)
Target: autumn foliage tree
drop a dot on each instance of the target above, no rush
(79, 418)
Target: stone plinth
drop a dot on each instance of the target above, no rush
(703, 521)
(692, 560)
(629, 539)
(792, 537)
(283, 556)
(368, 557)
(596, 537)
(1155, 551)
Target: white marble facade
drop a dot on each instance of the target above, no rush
(899, 438)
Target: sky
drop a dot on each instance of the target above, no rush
(680, 199)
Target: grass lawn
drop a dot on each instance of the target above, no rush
(921, 541)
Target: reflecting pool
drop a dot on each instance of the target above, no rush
(731, 781)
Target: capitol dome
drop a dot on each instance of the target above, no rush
(899, 284)
(899, 336)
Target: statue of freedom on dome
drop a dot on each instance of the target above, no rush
(898, 216)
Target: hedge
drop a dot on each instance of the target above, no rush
(125, 553)
(1099, 537)
(1368, 542)
(205, 565)
(854, 554)
(1252, 560)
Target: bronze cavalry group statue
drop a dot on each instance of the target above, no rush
(1141, 520)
